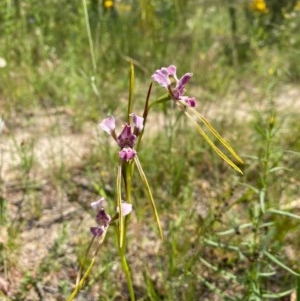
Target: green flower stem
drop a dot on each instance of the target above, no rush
(128, 185)
(145, 115)
(126, 270)
(131, 87)
(80, 282)
(125, 267)
(128, 182)
(123, 221)
(160, 100)
(119, 204)
(147, 108)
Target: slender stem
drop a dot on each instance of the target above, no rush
(131, 87)
(83, 261)
(146, 108)
(126, 270)
(82, 280)
(127, 180)
(88, 30)
(162, 99)
(122, 246)
(119, 204)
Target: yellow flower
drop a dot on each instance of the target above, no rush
(108, 3)
(259, 6)
(297, 6)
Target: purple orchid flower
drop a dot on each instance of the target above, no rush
(128, 137)
(162, 77)
(103, 219)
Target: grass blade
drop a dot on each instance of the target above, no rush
(88, 30)
(285, 213)
(276, 295)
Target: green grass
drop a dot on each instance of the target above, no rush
(227, 237)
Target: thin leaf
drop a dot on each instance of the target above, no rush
(82, 281)
(267, 274)
(276, 295)
(217, 135)
(285, 213)
(233, 230)
(279, 168)
(148, 190)
(215, 289)
(80, 284)
(223, 246)
(213, 146)
(279, 263)
(262, 196)
(227, 275)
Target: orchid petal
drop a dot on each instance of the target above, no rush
(127, 154)
(126, 138)
(182, 82)
(126, 208)
(190, 101)
(138, 123)
(171, 69)
(97, 231)
(161, 76)
(108, 125)
(98, 204)
(102, 218)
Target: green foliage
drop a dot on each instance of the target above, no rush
(226, 237)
